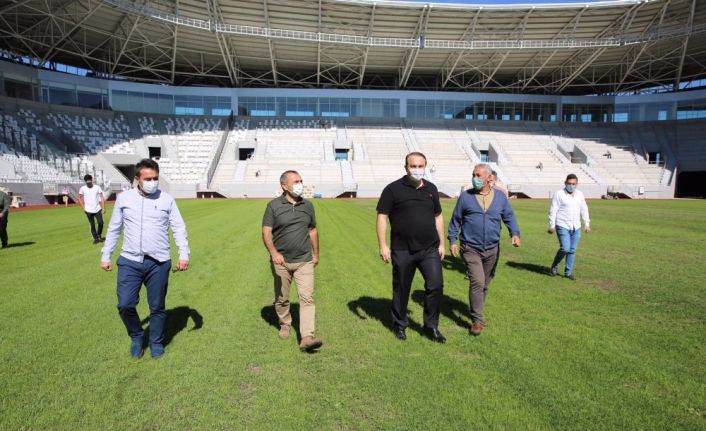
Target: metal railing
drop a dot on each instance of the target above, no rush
(409, 43)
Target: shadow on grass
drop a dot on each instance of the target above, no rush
(177, 319)
(19, 244)
(454, 264)
(378, 309)
(531, 267)
(451, 308)
(269, 315)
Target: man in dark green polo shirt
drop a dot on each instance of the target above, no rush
(5, 201)
(290, 235)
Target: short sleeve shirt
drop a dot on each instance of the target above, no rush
(412, 214)
(91, 198)
(290, 225)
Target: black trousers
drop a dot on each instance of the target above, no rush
(3, 229)
(404, 265)
(92, 218)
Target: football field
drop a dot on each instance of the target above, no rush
(622, 347)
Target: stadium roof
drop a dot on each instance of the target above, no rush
(570, 48)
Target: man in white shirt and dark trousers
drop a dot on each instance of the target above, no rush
(145, 214)
(565, 213)
(92, 200)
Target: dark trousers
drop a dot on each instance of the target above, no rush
(131, 276)
(481, 269)
(3, 229)
(404, 265)
(92, 218)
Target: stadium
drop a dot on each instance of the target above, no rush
(227, 94)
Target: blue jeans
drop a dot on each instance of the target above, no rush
(131, 276)
(568, 243)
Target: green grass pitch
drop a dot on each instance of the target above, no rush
(622, 348)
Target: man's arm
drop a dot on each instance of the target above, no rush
(454, 226)
(439, 219)
(584, 215)
(181, 237)
(553, 210)
(314, 235)
(381, 229)
(112, 235)
(5, 204)
(79, 198)
(276, 256)
(508, 216)
(102, 201)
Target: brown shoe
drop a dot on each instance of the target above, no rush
(310, 343)
(476, 328)
(284, 331)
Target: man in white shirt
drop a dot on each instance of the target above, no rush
(565, 214)
(92, 201)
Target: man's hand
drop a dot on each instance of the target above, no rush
(385, 254)
(454, 250)
(182, 265)
(277, 258)
(587, 229)
(442, 251)
(106, 266)
(550, 230)
(315, 259)
(103, 211)
(515, 241)
(2, 215)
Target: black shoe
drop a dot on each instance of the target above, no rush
(96, 240)
(553, 271)
(434, 335)
(400, 333)
(571, 277)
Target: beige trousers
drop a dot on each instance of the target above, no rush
(303, 275)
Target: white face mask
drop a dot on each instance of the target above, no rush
(297, 190)
(417, 174)
(150, 187)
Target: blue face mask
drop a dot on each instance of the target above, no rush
(570, 188)
(477, 183)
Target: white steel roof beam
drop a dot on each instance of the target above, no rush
(680, 67)
(273, 59)
(128, 36)
(467, 36)
(52, 50)
(371, 26)
(411, 57)
(622, 20)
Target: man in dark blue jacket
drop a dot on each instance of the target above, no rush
(478, 214)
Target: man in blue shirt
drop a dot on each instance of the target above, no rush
(479, 213)
(145, 214)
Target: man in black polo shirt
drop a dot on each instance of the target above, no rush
(290, 235)
(412, 206)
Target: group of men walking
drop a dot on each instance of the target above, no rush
(410, 205)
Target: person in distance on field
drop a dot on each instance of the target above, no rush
(412, 206)
(92, 201)
(5, 201)
(495, 184)
(145, 214)
(290, 236)
(565, 213)
(478, 215)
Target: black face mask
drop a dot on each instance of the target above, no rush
(89, 184)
